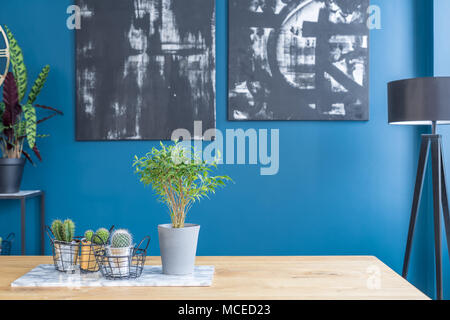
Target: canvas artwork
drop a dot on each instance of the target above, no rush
(298, 60)
(144, 68)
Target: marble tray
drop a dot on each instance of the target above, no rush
(45, 275)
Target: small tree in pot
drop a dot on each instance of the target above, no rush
(180, 178)
(18, 119)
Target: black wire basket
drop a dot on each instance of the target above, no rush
(65, 254)
(87, 260)
(122, 263)
(5, 246)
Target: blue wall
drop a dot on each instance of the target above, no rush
(342, 189)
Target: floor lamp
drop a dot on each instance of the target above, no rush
(425, 101)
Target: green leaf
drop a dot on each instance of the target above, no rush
(2, 109)
(18, 64)
(38, 84)
(30, 117)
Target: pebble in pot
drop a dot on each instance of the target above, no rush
(120, 253)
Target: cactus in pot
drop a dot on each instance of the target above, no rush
(87, 257)
(65, 248)
(102, 236)
(88, 235)
(120, 253)
(93, 241)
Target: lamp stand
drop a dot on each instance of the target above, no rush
(440, 199)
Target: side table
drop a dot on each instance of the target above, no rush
(23, 196)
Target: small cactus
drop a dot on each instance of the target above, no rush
(57, 229)
(88, 235)
(69, 230)
(63, 231)
(103, 234)
(121, 239)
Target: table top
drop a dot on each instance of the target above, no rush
(241, 278)
(21, 194)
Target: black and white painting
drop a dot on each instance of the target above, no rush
(144, 68)
(298, 60)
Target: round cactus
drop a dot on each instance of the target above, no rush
(103, 234)
(121, 239)
(88, 235)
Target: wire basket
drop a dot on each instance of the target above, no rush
(5, 246)
(122, 263)
(65, 254)
(88, 262)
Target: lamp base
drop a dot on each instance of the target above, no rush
(440, 199)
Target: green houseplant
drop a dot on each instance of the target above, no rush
(18, 118)
(180, 178)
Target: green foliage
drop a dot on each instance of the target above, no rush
(1, 240)
(18, 64)
(63, 231)
(179, 177)
(121, 239)
(24, 125)
(88, 235)
(30, 124)
(103, 234)
(38, 84)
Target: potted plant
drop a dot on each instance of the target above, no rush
(120, 252)
(18, 119)
(180, 178)
(90, 243)
(65, 248)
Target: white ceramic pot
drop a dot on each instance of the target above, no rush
(119, 261)
(66, 256)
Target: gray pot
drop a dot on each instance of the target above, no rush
(11, 171)
(178, 248)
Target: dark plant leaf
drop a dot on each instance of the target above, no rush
(37, 152)
(50, 108)
(27, 156)
(46, 118)
(11, 101)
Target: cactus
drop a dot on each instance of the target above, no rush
(1, 240)
(121, 239)
(103, 234)
(57, 229)
(69, 230)
(63, 231)
(88, 235)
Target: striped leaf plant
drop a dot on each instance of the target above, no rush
(19, 120)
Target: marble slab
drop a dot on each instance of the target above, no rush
(45, 275)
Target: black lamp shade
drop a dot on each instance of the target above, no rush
(419, 101)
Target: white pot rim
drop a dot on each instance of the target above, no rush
(187, 226)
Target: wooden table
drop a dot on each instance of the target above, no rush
(236, 278)
(23, 196)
